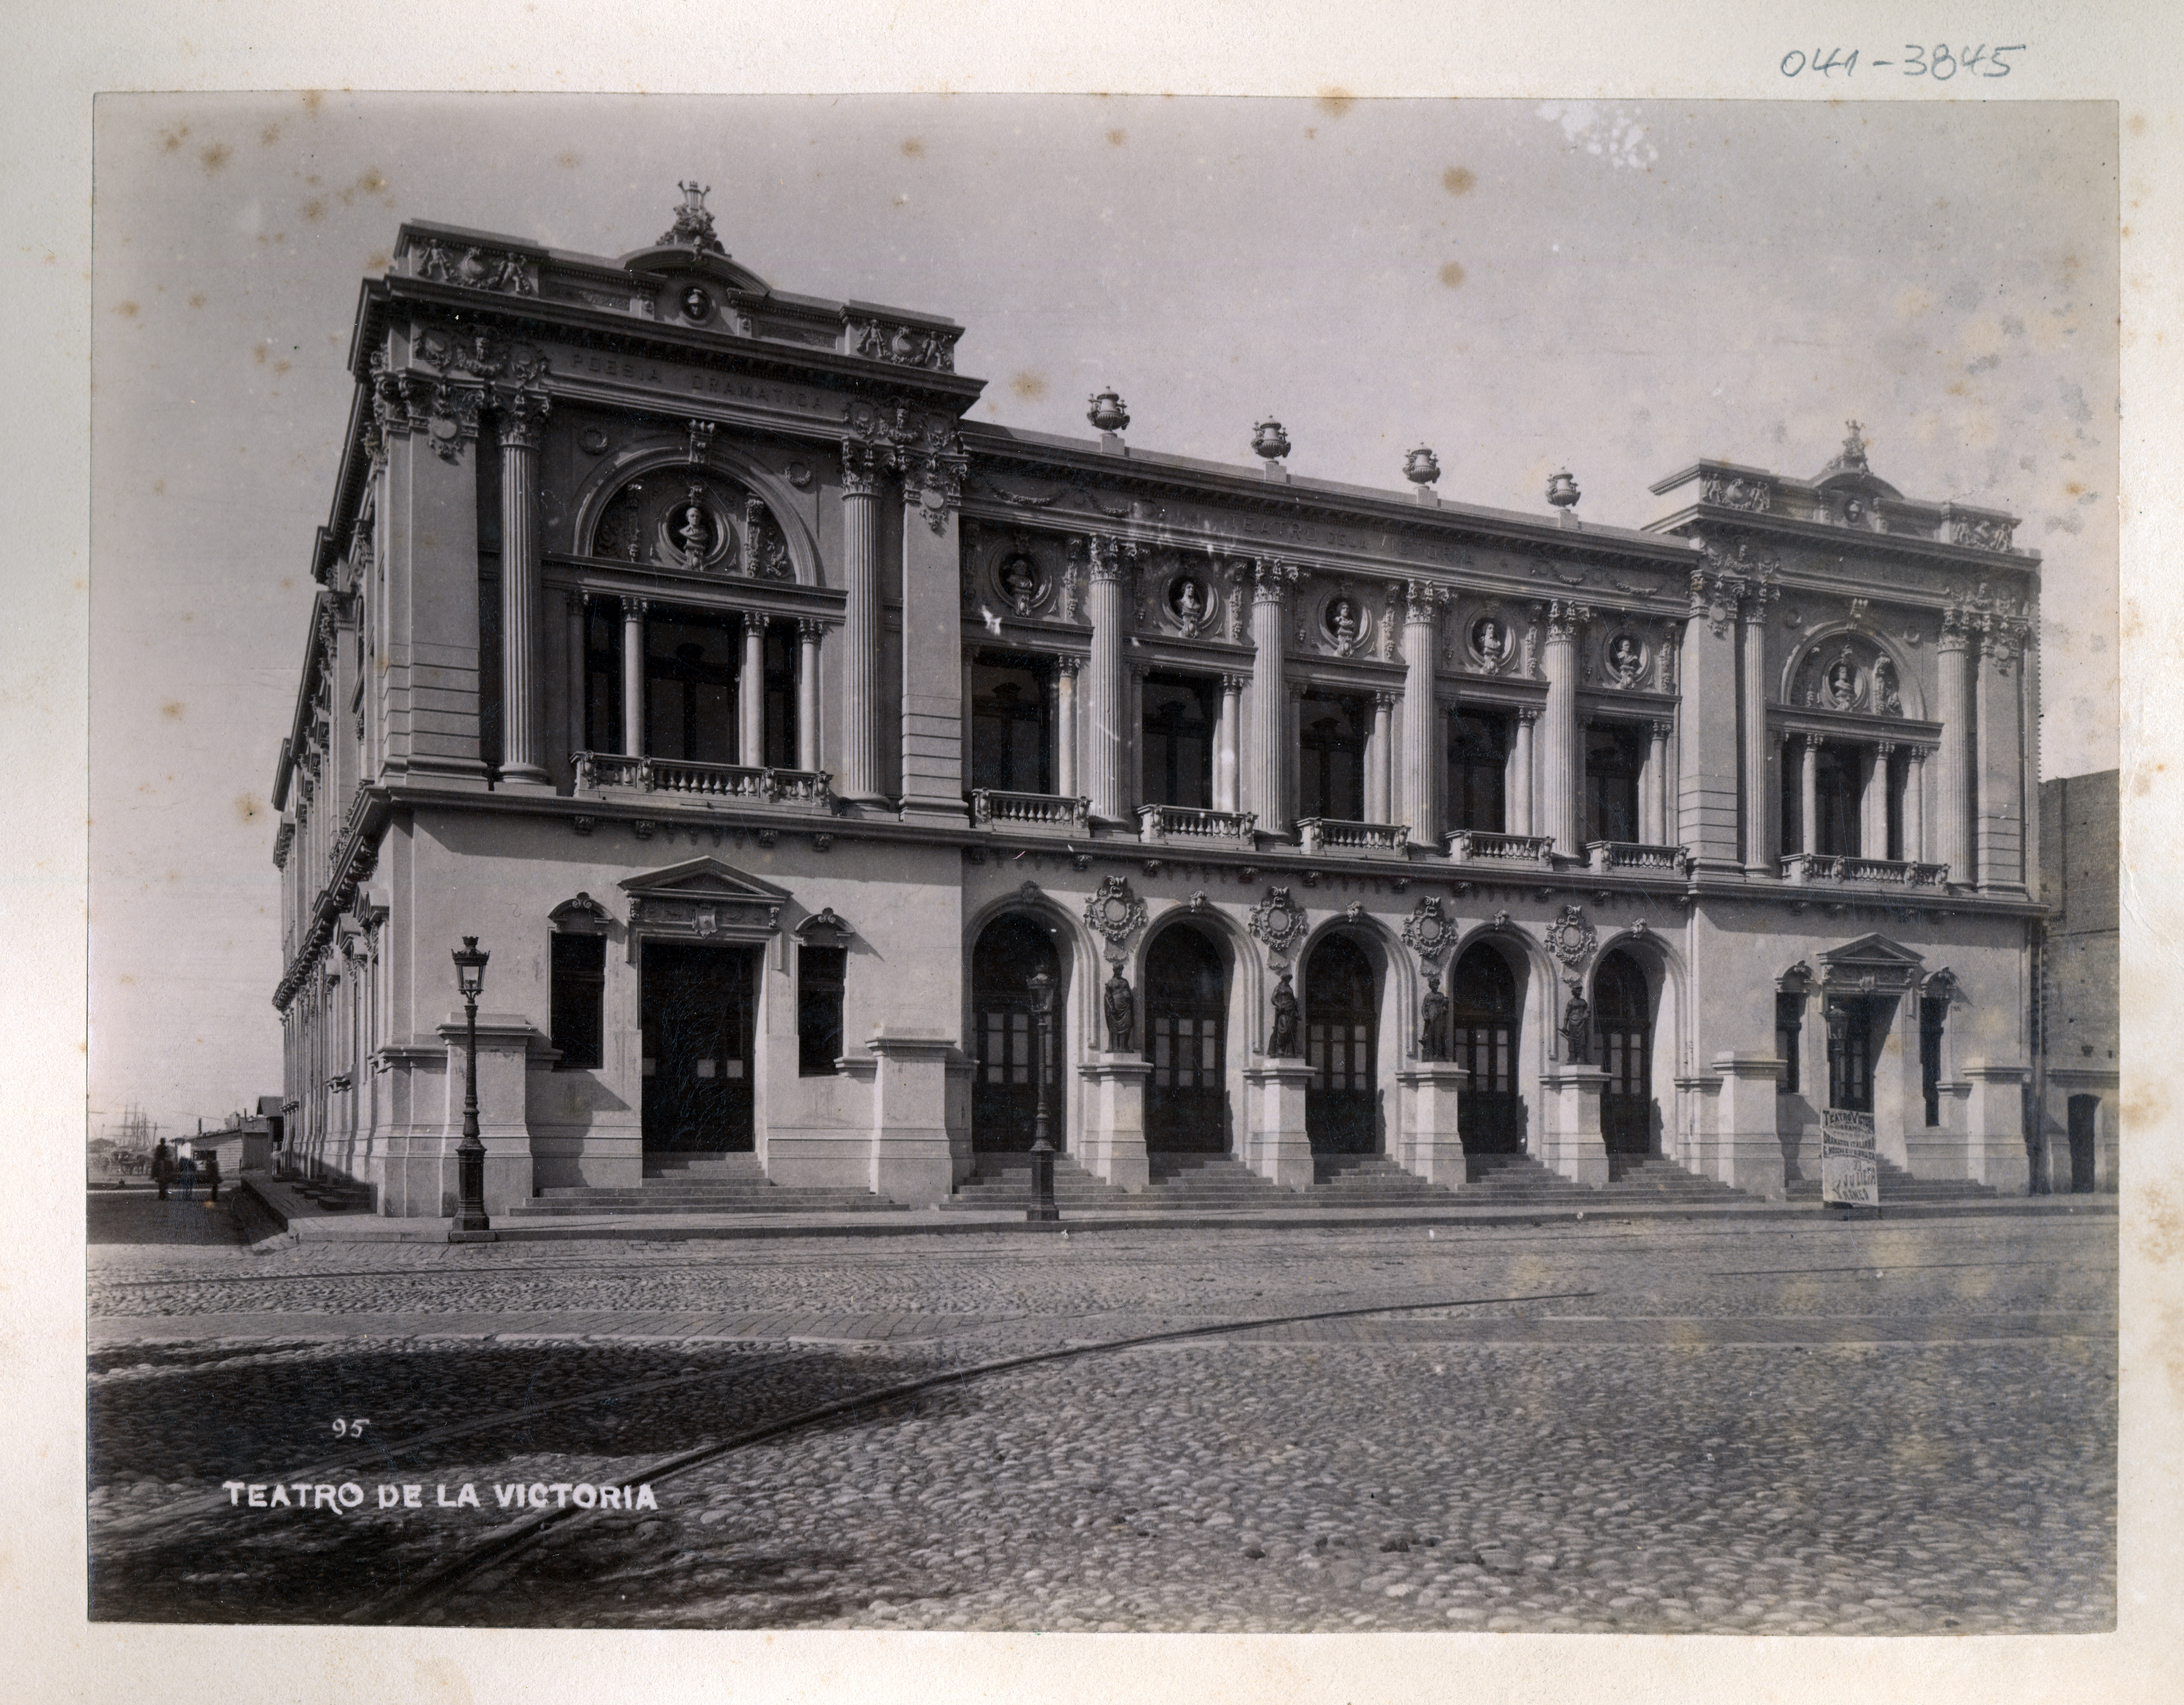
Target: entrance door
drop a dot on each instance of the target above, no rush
(1005, 1092)
(1341, 1016)
(1626, 1050)
(1482, 1001)
(698, 1000)
(1186, 1030)
(2084, 1110)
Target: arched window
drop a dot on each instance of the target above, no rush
(1186, 1036)
(1005, 1089)
(1341, 1019)
(1482, 997)
(578, 996)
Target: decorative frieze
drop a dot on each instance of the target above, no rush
(929, 347)
(475, 267)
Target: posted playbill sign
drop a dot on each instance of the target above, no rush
(1848, 1172)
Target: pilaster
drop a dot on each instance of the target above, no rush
(523, 419)
(1430, 1093)
(1113, 1146)
(1275, 1144)
(862, 473)
(1748, 1149)
(1994, 1119)
(1570, 1139)
(911, 1160)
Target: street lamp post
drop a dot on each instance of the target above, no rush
(1042, 1151)
(469, 1153)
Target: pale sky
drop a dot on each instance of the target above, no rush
(1620, 288)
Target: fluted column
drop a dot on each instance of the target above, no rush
(1268, 758)
(522, 417)
(1560, 769)
(1914, 804)
(808, 630)
(1809, 792)
(1065, 726)
(1417, 797)
(2001, 755)
(577, 665)
(633, 675)
(1522, 818)
(1110, 694)
(751, 694)
(1873, 801)
(861, 625)
(1952, 773)
(1224, 758)
(1653, 787)
(1378, 787)
(1758, 858)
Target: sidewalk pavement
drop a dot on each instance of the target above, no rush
(303, 1221)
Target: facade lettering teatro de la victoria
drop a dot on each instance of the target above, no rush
(775, 728)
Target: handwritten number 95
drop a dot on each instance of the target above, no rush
(349, 1429)
(1938, 62)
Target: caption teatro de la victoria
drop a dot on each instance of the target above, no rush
(804, 752)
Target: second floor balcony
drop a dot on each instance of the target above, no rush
(1808, 869)
(733, 783)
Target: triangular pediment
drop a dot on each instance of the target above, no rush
(1873, 950)
(702, 879)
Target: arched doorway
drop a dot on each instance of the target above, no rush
(1186, 1038)
(1005, 1092)
(1483, 1018)
(1622, 1009)
(1341, 1017)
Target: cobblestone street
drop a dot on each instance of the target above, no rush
(1840, 1428)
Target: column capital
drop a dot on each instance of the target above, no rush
(1105, 556)
(1069, 664)
(810, 627)
(523, 414)
(1234, 683)
(1916, 752)
(634, 609)
(860, 469)
(1885, 747)
(1660, 728)
(1271, 579)
(577, 599)
(1564, 617)
(1385, 700)
(1528, 714)
(1421, 599)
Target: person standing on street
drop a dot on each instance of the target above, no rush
(210, 1166)
(163, 1167)
(188, 1176)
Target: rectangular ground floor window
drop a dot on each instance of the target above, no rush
(822, 977)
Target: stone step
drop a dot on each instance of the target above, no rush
(856, 1202)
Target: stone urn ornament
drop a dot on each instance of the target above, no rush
(1421, 468)
(1107, 413)
(1269, 442)
(1562, 490)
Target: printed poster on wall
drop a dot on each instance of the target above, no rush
(1849, 1172)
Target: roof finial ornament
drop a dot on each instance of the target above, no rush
(1853, 449)
(694, 226)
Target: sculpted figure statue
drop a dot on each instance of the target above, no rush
(1121, 1013)
(1577, 1028)
(1432, 1021)
(1282, 1034)
(1020, 584)
(1342, 622)
(1491, 639)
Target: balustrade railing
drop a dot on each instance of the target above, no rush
(1607, 855)
(1336, 834)
(1467, 845)
(992, 806)
(1157, 823)
(743, 783)
(1880, 872)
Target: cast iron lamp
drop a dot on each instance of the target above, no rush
(469, 1153)
(1042, 1151)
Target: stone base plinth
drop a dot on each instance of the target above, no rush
(1747, 1148)
(1114, 1145)
(1428, 1144)
(1994, 1125)
(1570, 1142)
(911, 1160)
(503, 1049)
(1276, 1145)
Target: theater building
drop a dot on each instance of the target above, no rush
(773, 726)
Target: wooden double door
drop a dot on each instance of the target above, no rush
(1013, 1060)
(699, 1008)
(1483, 1021)
(1342, 1023)
(1623, 1016)
(1187, 1043)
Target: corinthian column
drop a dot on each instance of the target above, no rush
(633, 675)
(1416, 797)
(1066, 670)
(751, 694)
(1653, 787)
(860, 624)
(1521, 818)
(1378, 788)
(1951, 808)
(2001, 756)
(522, 416)
(1110, 695)
(1915, 807)
(1225, 780)
(808, 630)
(1269, 758)
(1809, 792)
(1560, 819)
(1756, 860)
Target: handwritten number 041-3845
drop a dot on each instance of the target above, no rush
(1940, 62)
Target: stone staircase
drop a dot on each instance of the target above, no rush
(1650, 1178)
(1372, 1181)
(330, 1195)
(1900, 1189)
(1004, 1181)
(699, 1184)
(1518, 1181)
